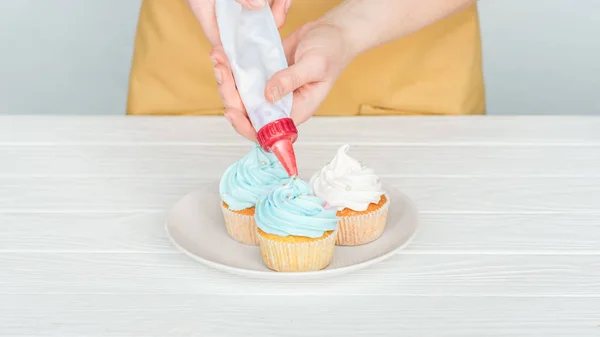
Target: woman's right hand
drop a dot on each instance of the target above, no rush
(317, 53)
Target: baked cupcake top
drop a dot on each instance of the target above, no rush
(292, 209)
(250, 179)
(347, 183)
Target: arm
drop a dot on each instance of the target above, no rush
(319, 51)
(370, 23)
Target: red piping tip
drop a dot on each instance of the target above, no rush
(278, 137)
(284, 151)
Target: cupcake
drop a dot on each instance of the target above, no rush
(295, 232)
(357, 194)
(243, 184)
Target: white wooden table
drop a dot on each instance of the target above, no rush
(509, 243)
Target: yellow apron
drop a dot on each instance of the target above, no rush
(434, 71)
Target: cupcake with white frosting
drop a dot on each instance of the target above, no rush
(357, 194)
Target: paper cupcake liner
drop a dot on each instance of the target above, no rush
(242, 228)
(299, 256)
(360, 229)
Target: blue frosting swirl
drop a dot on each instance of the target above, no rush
(292, 209)
(247, 181)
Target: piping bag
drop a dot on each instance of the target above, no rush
(254, 50)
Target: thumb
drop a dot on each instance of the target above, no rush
(306, 70)
(280, 9)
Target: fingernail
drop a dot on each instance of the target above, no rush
(218, 76)
(275, 93)
(214, 61)
(288, 4)
(257, 3)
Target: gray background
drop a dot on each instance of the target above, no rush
(73, 56)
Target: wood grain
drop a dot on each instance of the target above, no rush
(52, 130)
(191, 315)
(431, 194)
(509, 241)
(406, 275)
(393, 160)
(507, 234)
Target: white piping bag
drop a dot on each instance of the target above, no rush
(254, 50)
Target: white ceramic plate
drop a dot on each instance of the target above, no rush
(195, 225)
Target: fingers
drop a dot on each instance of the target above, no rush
(241, 123)
(235, 112)
(227, 89)
(280, 9)
(304, 71)
(307, 100)
(204, 12)
(252, 4)
(218, 56)
(290, 43)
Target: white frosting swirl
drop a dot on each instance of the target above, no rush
(347, 183)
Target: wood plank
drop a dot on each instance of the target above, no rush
(438, 234)
(188, 315)
(431, 194)
(562, 130)
(406, 275)
(197, 160)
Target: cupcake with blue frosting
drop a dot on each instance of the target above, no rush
(245, 183)
(295, 231)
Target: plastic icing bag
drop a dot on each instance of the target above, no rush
(253, 46)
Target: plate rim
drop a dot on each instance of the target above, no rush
(269, 274)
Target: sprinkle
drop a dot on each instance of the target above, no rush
(263, 163)
(348, 187)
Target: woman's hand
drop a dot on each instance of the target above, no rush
(204, 10)
(317, 54)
